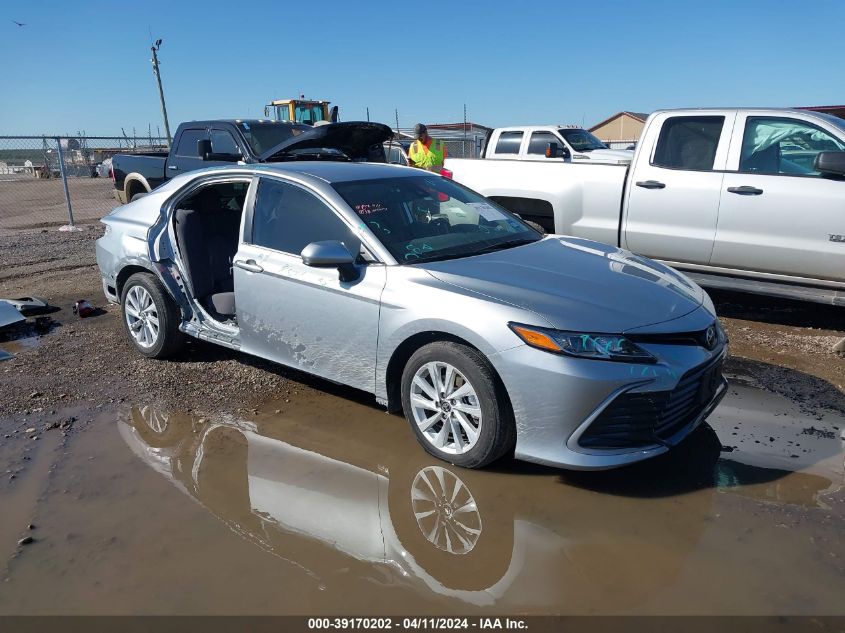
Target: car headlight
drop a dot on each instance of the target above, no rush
(708, 304)
(582, 344)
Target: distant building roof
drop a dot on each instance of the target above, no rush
(456, 126)
(835, 110)
(639, 116)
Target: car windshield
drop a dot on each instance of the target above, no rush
(427, 217)
(581, 140)
(264, 136)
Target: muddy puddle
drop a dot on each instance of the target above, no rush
(328, 505)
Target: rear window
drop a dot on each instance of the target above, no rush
(689, 142)
(509, 143)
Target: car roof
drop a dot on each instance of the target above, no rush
(331, 171)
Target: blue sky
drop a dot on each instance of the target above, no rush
(84, 66)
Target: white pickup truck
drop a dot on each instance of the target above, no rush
(742, 199)
(574, 145)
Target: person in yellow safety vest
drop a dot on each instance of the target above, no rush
(425, 152)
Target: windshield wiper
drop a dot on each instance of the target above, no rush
(488, 249)
(503, 245)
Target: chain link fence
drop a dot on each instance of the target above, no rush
(59, 181)
(63, 181)
(458, 144)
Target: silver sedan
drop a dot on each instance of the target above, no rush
(492, 338)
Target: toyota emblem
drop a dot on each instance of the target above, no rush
(710, 337)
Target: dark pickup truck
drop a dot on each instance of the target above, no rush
(199, 144)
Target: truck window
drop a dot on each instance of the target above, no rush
(188, 143)
(222, 142)
(540, 141)
(689, 142)
(777, 145)
(509, 143)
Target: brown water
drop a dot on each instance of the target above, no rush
(330, 506)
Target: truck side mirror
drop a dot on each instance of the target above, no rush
(831, 163)
(333, 114)
(553, 150)
(267, 111)
(204, 151)
(203, 148)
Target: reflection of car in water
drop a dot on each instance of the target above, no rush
(351, 510)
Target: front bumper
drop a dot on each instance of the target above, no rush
(556, 399)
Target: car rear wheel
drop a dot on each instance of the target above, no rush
(456, 406)
(150, 316)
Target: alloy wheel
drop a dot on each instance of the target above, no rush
(142, 316)
(446, 408)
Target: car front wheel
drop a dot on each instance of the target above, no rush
(456, 406)
(150, 316)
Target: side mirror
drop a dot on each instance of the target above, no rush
(334, 114)
(832, 163)
(553, 150)
(331, 254)
(204, 150)
(267, 111)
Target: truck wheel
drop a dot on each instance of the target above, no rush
(150, 316)
(456, 406)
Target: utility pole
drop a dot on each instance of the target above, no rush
(154, 48)
(465, 131)
(368, 113)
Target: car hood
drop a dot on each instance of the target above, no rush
(356, 139)
(612, 156)
(576, 284)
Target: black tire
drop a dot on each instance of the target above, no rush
(170, 340)
(497, 434)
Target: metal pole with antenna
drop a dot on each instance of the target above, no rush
(154, 48)
(397, 119)
(368, 113)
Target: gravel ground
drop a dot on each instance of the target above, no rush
(89, 364)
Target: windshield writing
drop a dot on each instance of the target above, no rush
(424, 218)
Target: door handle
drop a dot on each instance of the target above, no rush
(250, 265)
(173, 167)
(745, 191)
(651, 184)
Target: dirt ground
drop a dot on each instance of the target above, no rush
(27, 202)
